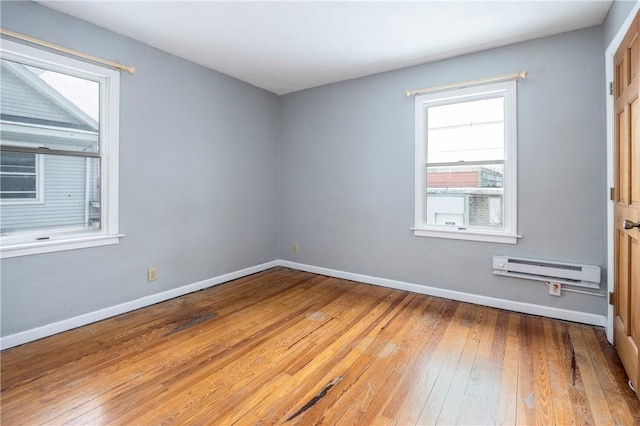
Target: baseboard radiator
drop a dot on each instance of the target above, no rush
(547, 270)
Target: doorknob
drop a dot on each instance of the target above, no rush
(630, 225)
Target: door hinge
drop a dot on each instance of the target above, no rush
(612, 192)
(611, 87)
(612, 298)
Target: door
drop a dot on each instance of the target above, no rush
(626, 195)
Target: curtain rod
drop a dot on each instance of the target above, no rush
(517, 75)
(92, 58)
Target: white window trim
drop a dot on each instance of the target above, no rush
(508, 234)
(12, 246)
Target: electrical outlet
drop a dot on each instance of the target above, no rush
(296, 248)
(152, 274)
(555, 289)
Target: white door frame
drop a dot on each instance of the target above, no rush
(609, 75)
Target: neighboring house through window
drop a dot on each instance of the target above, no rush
(58, 152)
(466, 163)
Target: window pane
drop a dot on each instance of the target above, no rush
(18, 183)
(17, 162)
(18, 179)
(70, 198)
(18, 195)
(466, 131)
(463, 196)
(42, 108)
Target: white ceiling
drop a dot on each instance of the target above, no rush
(287, 46)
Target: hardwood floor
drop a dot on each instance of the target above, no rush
(285, 346)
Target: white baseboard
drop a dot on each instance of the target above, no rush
(510, 305)
(68, 324)
(71, 323)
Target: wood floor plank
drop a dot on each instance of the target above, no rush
(543, 403)
(296, 348)
(379, 308)
(458, 385)
(173, 359)
(473, 394)
(238, 361)
(612, 364)
(604, 370)
(559, 370)
(508, 395)
(443, 359)
(595, 395)
(103, 351)
(461, 354)
(105, 336)
(481, 400)
(394, 338)
(413, 370)
(337, 353)
(176, 354)
(573, 378)
(350, 372)
(421, 330)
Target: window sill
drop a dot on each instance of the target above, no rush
(40, 247)
(7, 202)
(473, 235)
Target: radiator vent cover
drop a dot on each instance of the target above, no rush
(547, 270)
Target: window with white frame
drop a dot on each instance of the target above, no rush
(58, 152)
(19, 175)
(466, 163)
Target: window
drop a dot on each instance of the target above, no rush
(466, 164)
(19, 173)
(58, 152)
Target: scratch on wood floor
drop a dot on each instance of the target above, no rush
(313, 401)
(369, 390)
(573, 366)
(316, 316)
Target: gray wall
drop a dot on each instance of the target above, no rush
(347, 161)
(205, 190)
(198, 181)
(616, 16)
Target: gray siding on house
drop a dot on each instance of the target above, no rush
(63, 198)
(19, 98)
